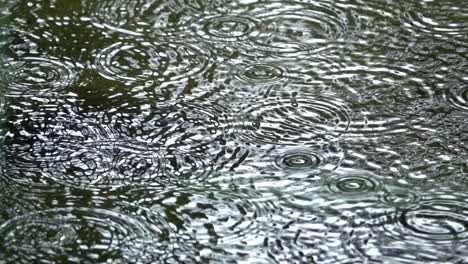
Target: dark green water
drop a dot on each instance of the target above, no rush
(143, 131)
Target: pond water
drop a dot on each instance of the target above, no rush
(144, 131)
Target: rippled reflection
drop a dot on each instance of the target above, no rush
(279, 131)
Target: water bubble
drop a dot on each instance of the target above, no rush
(143, 61)
(88, 234)
(39, 74)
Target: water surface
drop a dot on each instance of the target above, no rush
(144, 131)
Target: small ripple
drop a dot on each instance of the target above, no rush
(296, 161)
(260, 73)
(288, 119)
(457, 97)
(229, 28)
(84, 234)
(147, 61)
(299, 160)
(39, 74)
(400, 197)
(354, 184)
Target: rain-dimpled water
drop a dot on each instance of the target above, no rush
(248, 131)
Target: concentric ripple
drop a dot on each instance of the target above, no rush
(290, 119)
(433, 230)
(39, 74)
(438, 220)
(457, 97)
(297, 26)
(400, 197)
(354, 184)
(259, 73)
(299, 160)
(135, 18)
(229, 28)
(83, 235)
(143, 61)
(438, 18)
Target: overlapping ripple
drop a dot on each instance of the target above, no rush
(88, 235)
(298, 27)
(151, 61)
(190, 125)
(287, 118)
(437, 18)
(435, 228)
(39, 74)
(135, 18)
(230, 28)
(228, 224)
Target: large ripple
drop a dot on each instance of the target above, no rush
(84, 234)
(300, 27)
(39, 74)
(437, 18)
(435, 228)
(136, 18)
(288, 119)
(150, 61)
